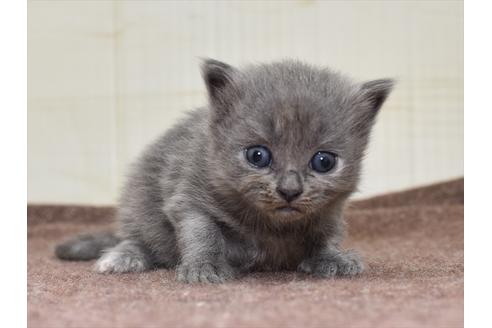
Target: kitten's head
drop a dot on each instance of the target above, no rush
(288, 137)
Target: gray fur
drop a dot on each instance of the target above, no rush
(127, 256)
(86, 247)
(193, 202)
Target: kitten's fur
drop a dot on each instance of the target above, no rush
(193, 202)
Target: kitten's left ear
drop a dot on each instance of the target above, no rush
(369, 98)
(373, 94)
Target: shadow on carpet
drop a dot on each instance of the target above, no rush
(412, 244)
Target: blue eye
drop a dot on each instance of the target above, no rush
(323, 161)
(259, 156)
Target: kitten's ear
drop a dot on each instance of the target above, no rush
(373, 94)
(219, 79)
(370, 97)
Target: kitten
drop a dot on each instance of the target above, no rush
(255, 181)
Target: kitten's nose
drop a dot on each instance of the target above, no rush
(289, 194)
(290, 186)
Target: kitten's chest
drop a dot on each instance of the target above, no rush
(276, 253)
(266, 253)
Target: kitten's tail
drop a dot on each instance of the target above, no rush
(86, 247)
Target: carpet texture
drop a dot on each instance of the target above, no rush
(412, 244)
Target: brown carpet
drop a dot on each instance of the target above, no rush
(412, 243)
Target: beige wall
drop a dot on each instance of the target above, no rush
(105, 78)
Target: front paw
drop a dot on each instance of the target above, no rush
(340, 264)
(204, 272)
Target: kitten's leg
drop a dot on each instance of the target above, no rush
(330, 261)
(202, 249)
(127, 256)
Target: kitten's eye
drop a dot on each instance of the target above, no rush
(259, 156)
(323, 161)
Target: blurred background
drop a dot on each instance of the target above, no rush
(105, 78)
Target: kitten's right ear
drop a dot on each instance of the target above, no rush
(219, 79)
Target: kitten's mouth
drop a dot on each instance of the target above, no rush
(288, 209)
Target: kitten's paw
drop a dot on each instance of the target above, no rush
(121, 261)
(341, 264)
(204, 273)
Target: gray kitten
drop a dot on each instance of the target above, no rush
(255, 181)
